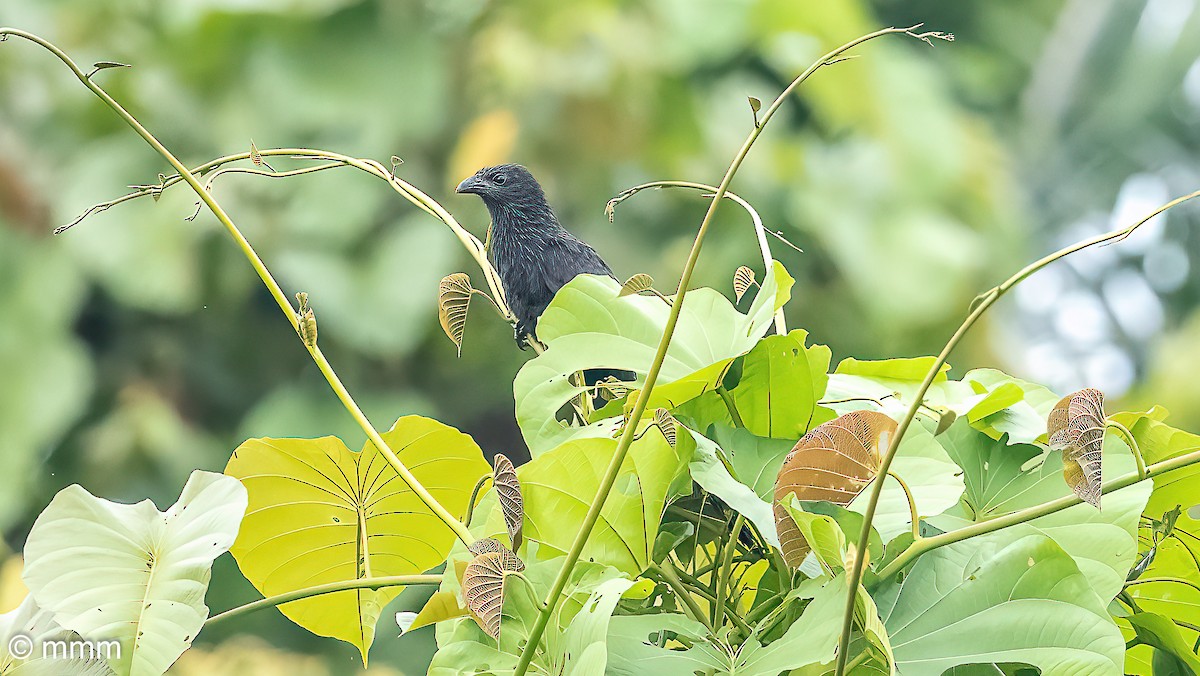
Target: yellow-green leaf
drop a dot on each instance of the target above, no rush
(443, 605)
(322, 513)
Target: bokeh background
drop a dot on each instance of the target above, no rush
(139, 346)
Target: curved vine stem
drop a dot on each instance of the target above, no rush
(1133, 445)
(759, 231)
(476, 249)
(979, 306)
(912, 506)
(928, 544)
(332, 587)
(639, 408)
(268, 280)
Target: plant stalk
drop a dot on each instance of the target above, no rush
(330, 588)
(639, 408)
(928, 544)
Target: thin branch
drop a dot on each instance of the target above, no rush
(759, 230)
(319, 590)
(639, 407)
(669, 575)
(474, 247)
(724, 572)
(268, 280)
(1133, 445)
(928, 544)
(912, 506)
(981, 305)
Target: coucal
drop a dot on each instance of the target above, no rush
(532, 252)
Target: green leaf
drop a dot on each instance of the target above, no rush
(130, 572)
(994, 402)
(1159, 441)
(589, 325)
(1163, 635)
(823, 535)
(1103, 543)
(932, 476)
(1001, 411)
(1012, 596)
(560, 485)
(755, 460)
(781, 382)
(708, 469)
(321, 513)
(440, 606)
(913, 369)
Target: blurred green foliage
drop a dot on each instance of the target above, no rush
(139, 346)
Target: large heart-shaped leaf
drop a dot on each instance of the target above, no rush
(321, 513)
(131, 573)
(1168, 584)
(1012, 596)
(589, 325)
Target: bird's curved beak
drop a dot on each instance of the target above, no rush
(469, 186)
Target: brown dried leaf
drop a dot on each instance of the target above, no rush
(1076, 425)
(833, 462)
(454, 299)
(666, 424)
(486, 546)
(743, 279)
(636, 284)
(508, 491)
(483, 587)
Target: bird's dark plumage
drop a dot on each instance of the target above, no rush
(533, 254)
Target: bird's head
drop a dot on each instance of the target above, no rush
(503, 184)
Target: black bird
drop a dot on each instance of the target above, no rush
(532, 252)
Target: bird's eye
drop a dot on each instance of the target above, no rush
(499, 179)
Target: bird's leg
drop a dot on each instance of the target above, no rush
(521, 333)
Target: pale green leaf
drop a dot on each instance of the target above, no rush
(589, 325)
(130, 572)
(1012, 596)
